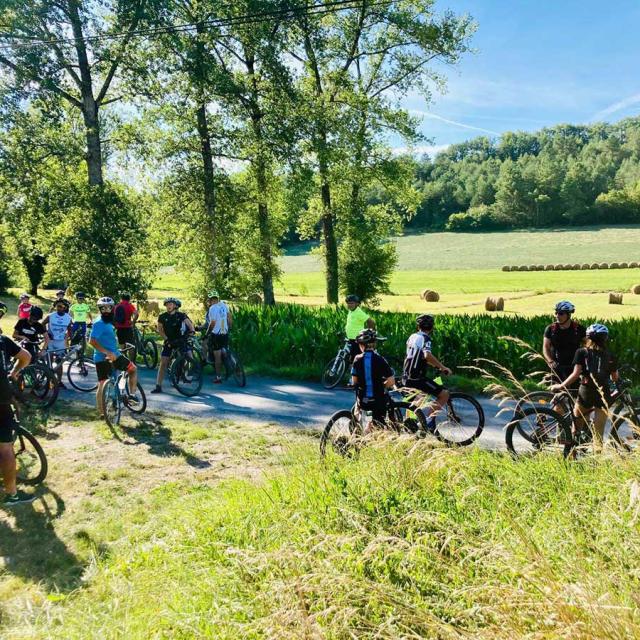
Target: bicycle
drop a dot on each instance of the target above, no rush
(336, 368)
(31, 461)
(37, 386)
(347, 428)
(185, 370)
(115, 396)
(145, 346)
(230, 360)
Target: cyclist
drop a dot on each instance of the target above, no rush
(106, 354)
(593, 367)
(9, 350)
(172, 326)
(371, 375)
(30, 332)
(59, 298)
(419, 355)
(24, 306)
(562, 339)
(219, 322)
(357, 320)
(125, 318)
(80, 311)
(58, 324)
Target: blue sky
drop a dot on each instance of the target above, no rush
(537, 63)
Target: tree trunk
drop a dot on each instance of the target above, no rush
(208, 185)
(34, 266)
(266, 266)
(329, 237)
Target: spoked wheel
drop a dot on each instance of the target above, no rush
(333, 373)
(137, 407)
(82, 375)
(187, 375)
(31, 463)
(234, 367)
(112, 405)
(149, 353)
(537, 429)
(625, 428)
(459, 423)
(341, 435)
(38, 386)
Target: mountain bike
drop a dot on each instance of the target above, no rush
(145, 347)
(344, 432)
(336, 368)
(185, 370)
(230, 360)
(115, 396)
(31, 461)
(36, 386)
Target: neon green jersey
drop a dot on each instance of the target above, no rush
(79, 311)
(355, 322)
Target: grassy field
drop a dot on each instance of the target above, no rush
(217, 530)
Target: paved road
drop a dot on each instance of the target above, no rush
(263, 400)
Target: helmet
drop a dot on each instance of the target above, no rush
(60, 292)
(104, 301)
(80, 294)
(564, 306)
(24, 296)
(174, 300)
(36, 313)
(597, 331)
(425, 321)
(213, 294)
(368, 336)
(352, 298)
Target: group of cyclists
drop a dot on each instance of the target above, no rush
(578, 358)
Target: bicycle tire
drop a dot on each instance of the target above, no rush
(237, 370)
(402, 417)
(453, 419)
(333, 372)
(187, 371)
(37, 386)
(139, 408)
(342, 445)
(149, 353)
(82, 374)
(538, 423)
(25, 460)
(625, 428)
(111, 403)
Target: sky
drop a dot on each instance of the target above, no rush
(536, 63)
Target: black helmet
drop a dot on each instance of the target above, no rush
(36, 313)
(80, 294)
(368, 336)
(425, 321)
(352, 298)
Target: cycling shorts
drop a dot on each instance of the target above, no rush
(354, 349)
(56, 345)
(7, 424)
(104, 368)
(591, 398)
(126, 335)
(219, 341)
(378, 408)
(424, 384)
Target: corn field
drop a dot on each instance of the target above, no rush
(306, 337)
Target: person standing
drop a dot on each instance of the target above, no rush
(80, 311)
(357, 320)
(24, 307)
(219, 322)
(58, 324)
(125, 319)
(59, 298)
(31, 331)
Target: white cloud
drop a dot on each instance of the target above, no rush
(430, 150)
(433, 116)
(617, 106)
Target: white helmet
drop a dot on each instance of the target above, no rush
(564, 306)
(597, 330)
(104, 301)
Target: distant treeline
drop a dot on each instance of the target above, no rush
(563, 175)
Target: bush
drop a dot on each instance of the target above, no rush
(477, 218)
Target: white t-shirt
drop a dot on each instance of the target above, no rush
(218, 312)
(58, 325)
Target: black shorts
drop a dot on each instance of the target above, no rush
(354, 349)
(126, 335)
(104, 368)
(562, 372)
(377, 406)
(7, 423)
(219, 341)
(591, 398)
(424, 384)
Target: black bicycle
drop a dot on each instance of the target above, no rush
(231, 361)
(31, 461)
(145, 347)
(185, 370)
(336, 368)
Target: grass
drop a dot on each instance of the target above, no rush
(406, 541)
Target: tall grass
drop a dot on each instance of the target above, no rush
(297, 336)
(405, 542)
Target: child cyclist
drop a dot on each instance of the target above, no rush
(371, 376)
(594, 366)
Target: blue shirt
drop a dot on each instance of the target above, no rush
(104, 333)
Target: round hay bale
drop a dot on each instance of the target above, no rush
(523, 267)
(515, 268)
(490, 304)
(614, 265)
(634, 265)
(254, 298)
(624, 265)
(585, 267)
(430, 296)
(604, 265)
(506, 268)
(615, 298)
(568, 267)
(635, 289)
(539, 267)
(499, 304)
(548, 267)
(558, 267)
(575, 267)
(595, 265)
(533, 267)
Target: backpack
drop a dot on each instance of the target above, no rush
(555, 327)
(119, 315)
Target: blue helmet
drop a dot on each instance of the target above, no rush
(597, 331)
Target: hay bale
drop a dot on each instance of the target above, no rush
(635, 289)
(506, 268)
(585, 267)
(615, 298)
(548, 267)
(539, 267)
(614, 265)
(604, 265)
(558, 267)
(430, 296)
(490, 304)
(151, 308)
(634, 265)
(500, 304)
(523, 268)
(624, 265)
(575, 267)
(595, 265)
(533, 267)
(567, 267)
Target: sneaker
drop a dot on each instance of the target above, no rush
(19, 497)
(217, 381)
(157, 389)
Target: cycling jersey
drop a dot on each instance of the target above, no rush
(8, 351)
(123, 313)
(418, 348)
(597, 367)
(371, 371)
(565, 342)
(356, 321)
(23, 309)
(104, 333)
(28, 331)
(218, 312)
(58, 325)
(79, 311)
(173, 324)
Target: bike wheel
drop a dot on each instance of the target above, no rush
(537, 429)
(149, 353)
(37, 386)
(625, 427)
(187, 377)
(112, 404)
(139, 407)
(402, 417)
(333, 372)
(236, 369)
(82, 374)
(460, 422)
(31, 462)
(340, 435)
